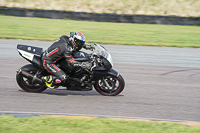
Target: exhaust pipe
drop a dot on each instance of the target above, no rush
(33, 78)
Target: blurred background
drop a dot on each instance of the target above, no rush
(142, 7)
(159, 79)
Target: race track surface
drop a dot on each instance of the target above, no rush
(161, 83)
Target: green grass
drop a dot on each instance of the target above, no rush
(100, 32)
(9, 124)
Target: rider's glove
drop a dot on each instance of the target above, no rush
(89, 47)
(86, 65)
(83, 65)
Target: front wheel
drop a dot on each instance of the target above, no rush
(110, 85)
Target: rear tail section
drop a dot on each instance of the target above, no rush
(30, 53)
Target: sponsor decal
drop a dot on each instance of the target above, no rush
(82, 54)
(27, 55)
(51, 68)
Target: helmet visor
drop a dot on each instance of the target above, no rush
(79, 44)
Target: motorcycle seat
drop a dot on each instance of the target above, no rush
(37, 60)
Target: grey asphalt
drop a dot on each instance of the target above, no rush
(161, 83)
(159, 56)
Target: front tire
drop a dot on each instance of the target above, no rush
(26, 84)
(110, 85)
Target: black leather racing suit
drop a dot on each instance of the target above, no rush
(59, 49)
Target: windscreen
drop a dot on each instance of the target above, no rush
(101, 51)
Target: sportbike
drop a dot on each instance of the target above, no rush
(101, 76)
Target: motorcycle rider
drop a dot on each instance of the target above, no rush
(63, 48)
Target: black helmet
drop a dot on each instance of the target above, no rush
(77, 39)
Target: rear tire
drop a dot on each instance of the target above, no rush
(110, 85)
(26, 84)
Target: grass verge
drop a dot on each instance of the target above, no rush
(100, 32)
(9, 124)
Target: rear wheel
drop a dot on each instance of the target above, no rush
(26, 84)
(110, 85)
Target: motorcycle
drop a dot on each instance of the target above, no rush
(101, 76)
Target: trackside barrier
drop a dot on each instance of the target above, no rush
(142, 19)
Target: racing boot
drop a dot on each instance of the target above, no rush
(51, 81)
